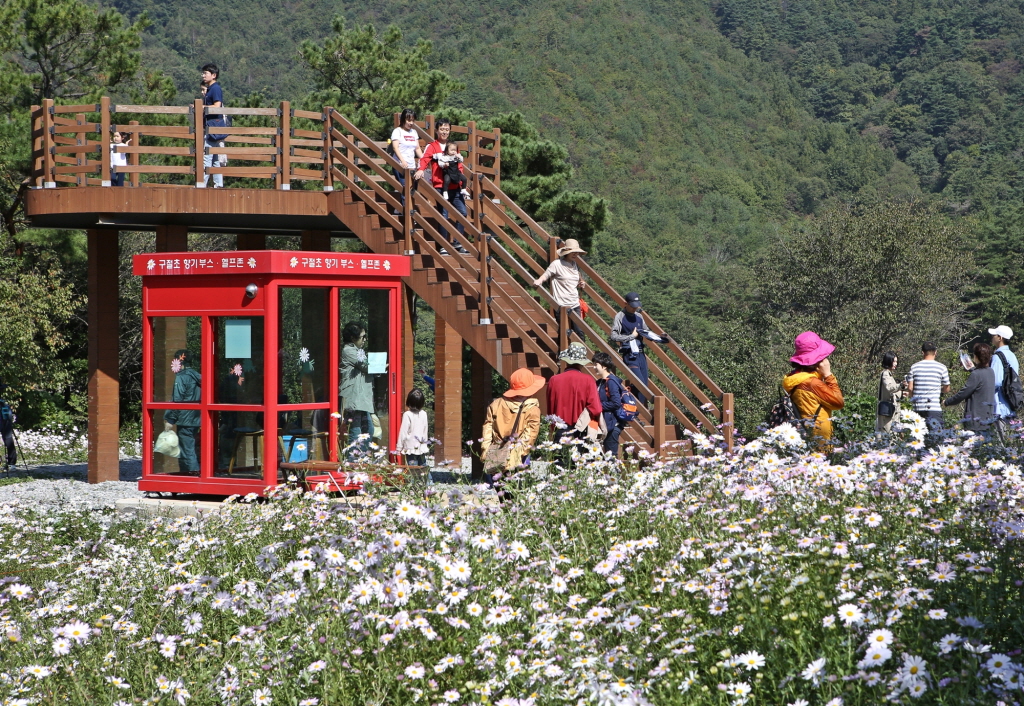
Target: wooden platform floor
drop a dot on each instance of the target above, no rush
(200, 210)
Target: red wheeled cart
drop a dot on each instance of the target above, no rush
(256, 358)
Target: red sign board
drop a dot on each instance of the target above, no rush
(284, 262)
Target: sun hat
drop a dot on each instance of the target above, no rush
(1004, 332)
(575, 354)
(571, 246)
(524, 383)
(810, 349)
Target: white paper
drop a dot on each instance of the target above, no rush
(377, 363)
(653, 336)
(633, 347)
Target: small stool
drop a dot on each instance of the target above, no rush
(306, 435)
(240, 434)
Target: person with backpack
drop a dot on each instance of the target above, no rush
(510, 429)
(618, 405)
(812, 386)
(1006, 369)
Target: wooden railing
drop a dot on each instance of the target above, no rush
(494, 252)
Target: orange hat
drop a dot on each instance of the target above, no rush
(524, 383)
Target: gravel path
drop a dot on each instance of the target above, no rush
(67, 486)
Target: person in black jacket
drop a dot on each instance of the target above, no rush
(979, 392)
(7, 432)
(609, 389)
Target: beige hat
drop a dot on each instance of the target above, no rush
(571, 246)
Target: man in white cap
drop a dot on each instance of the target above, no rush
(1002, 355)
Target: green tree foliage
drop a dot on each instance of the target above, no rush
(64, 49)
(370, 76)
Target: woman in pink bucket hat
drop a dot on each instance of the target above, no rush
(811, 384)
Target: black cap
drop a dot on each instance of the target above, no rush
(633, 299)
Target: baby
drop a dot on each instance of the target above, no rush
(449, 163)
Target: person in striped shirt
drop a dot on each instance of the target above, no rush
(929, 380)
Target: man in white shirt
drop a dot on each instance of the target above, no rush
(929, 380)
(1000, 335)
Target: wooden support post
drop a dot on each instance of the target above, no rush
(319, 240)
(729, 419)
(659, 424)
(251, 241)
(171, 239)
(480, 372)
(104, 390)
(328, 147)
(133, 158)
(106, 138)
(447, 392)
(49, 177)
(284, 148)
(200, 142)
(409, 373)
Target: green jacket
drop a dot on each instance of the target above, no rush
(187, 388)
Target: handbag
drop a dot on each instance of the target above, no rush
(886, 408)
(592, 431)
(496, 457)
(167, 444)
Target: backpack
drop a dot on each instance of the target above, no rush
(629, 406)
(784, 411)
(6, 417)
(1013, 391)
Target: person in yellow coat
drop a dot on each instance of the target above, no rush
(516, 402)
(812, 386)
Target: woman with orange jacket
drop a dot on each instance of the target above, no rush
(812, 386)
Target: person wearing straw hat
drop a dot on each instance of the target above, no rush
(566, 280)
(514, 419)
(811, 384)
(573, 392)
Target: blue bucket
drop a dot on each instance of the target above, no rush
(300, 451)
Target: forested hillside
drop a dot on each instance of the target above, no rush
(755, 156)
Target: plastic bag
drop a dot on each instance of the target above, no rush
(167, 444)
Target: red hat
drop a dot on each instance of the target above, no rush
(810, 349)
(524, 383)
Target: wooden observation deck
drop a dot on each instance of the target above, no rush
(315, 175)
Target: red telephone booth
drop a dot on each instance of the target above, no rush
(257, 357)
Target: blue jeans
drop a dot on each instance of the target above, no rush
(359, 423)
(218, 179)
(637, 362)
(455, 199)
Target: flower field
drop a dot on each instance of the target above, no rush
(770, 577)
(61, 445)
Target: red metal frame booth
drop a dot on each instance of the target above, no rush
(248, 337)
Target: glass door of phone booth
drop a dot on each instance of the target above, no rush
(280, 362)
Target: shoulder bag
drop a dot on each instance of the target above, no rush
(886, 408)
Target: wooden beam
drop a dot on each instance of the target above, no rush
(317, 240)
(480, 372)
(447, 392)
(104, 390)
(251, 241)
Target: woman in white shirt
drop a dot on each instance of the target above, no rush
(405, 143)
